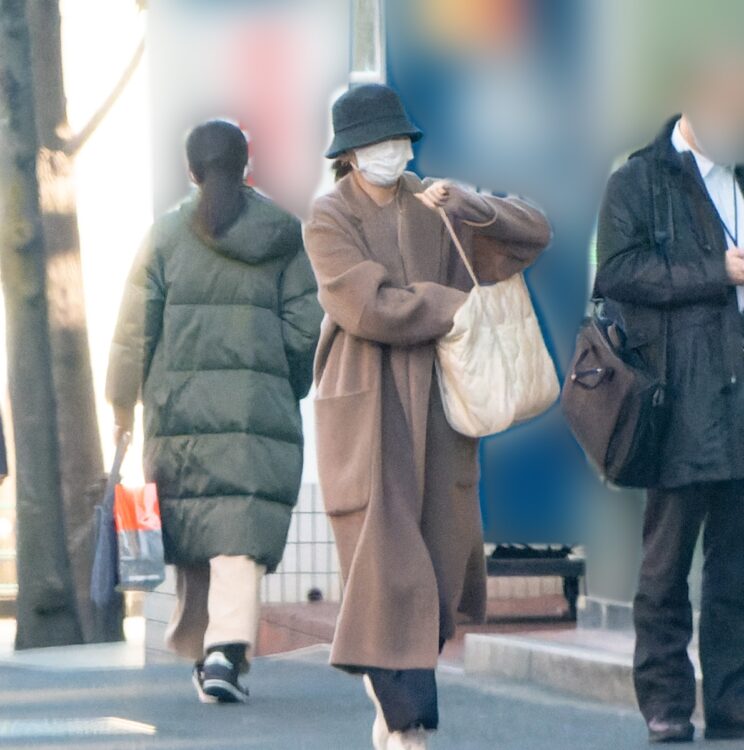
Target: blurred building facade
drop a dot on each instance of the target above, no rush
(529, 96)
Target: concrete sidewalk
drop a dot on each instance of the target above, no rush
(585, 662)
(287, 627)
(297, 702)
(530, 650)
(127, 655)
(284, 628)
(556, 688)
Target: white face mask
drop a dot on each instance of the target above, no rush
(383, 163)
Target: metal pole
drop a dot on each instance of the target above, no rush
(367, 42)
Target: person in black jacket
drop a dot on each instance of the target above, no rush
(690, 301)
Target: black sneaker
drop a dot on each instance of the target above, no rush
(219, 679)
(197, 678)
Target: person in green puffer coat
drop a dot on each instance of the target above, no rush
(216, 335)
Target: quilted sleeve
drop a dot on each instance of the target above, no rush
(301, 317)
(138, 329)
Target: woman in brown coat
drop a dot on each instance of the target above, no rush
(399, 485)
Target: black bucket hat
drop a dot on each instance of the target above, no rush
(368, 114)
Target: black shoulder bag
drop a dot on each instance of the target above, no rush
(614, 403)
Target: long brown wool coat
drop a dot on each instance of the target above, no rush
(399, 485)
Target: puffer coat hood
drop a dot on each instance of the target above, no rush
(256, 236)
(217, 337)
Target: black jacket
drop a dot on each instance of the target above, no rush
(705, 369)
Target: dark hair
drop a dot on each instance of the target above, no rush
(341, 167)
(217, 153)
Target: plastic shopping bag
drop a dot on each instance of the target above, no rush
(140, 538)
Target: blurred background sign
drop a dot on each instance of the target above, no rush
(466, 25)
(497, 88)
(272, 67)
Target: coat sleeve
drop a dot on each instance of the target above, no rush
(631, 270)
(301, 316)
(138, 329)
(506, 234)
(359, 295)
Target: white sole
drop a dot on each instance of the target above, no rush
(411, 740)
(203, 697)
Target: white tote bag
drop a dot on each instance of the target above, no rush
(493, 367)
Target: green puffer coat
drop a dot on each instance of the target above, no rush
(217, 338)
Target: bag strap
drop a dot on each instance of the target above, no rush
(115, 473)
(663, 234)
(458, 245)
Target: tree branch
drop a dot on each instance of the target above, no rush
(76, 142)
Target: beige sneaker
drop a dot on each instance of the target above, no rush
(413, 739)
(380, 732)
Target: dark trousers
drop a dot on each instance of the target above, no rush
(408, 697)
(664, 676)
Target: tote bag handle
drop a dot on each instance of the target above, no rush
(114, 476)
(458, 245)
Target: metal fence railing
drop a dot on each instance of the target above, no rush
(310, 561)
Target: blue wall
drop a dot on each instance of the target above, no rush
(535, 479)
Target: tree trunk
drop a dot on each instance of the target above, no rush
(81, 463)
(47, 607)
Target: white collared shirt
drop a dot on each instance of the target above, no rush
(718, 181)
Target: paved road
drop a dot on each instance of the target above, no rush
(297, 703)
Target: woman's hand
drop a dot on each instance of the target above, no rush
(467, 205)
(123, 422)
(436, 195)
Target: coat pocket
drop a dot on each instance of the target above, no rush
(346, 427)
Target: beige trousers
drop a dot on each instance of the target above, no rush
(216, 604)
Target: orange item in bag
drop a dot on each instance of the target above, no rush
(139, 536)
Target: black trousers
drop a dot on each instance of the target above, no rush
(408, 697)
(663, 674)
